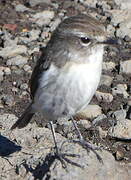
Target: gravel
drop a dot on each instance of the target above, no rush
(30, 162)
(26, 27)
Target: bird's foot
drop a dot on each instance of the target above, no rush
(88, 146)
(63, 157)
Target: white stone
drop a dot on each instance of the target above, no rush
(35, 2)
(7, 120)
(34, 34)
(11, 51)
(124, 29)
(54, 24)
(108, 66)
(125, 67)
(119, 16)
(120, 89)
(124, 4)
(106, 80)
(89, 3)
(43, 18)
(17, 61)
(121, 130)
(27, 67)
(110, 30)
(1, 75)
(21, 8)
(104, 97)
(91, 111)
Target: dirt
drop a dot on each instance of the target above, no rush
(10, 16)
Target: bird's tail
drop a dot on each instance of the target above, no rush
(24, 119)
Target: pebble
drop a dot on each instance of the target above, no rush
(104, 5)
(108, 66)
(7, 71)
(84, 123)
(34, 50)
(14, 50)
(54, 24)
(98, 119)
(111, 30)
(126, 4)
(119, 155)
(14, 89)
(36, 2)
(34, 34)
(21, 8)
(121, 130)
(24, 86)
(1, 75)
(24, 93)
(119, 114)
(89, 3)
(45, 35)
(125, 67)
(124, 29)
(4, 70)
(92, 111)
(119, 16)
(7, 120)
(30, 36)
(129, 102)
(104, 97)
(9, 40)
(120, 89)
(106, 80)
(17, 61)
(102, 133)
(8, 100)
(27, 68)
(64, 126)
(43, 18)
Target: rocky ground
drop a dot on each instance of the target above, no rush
(25, 28)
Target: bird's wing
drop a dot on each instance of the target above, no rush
(56, 53)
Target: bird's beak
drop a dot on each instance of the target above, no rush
(111, 41)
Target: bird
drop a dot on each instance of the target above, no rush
(67, 73)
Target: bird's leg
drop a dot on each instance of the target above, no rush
(58, 154)
(86, 145)
(54, 136)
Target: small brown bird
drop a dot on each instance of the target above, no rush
(68, 73)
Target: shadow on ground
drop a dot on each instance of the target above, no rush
(41, 171)
(7, 147)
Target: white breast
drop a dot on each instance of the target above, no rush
(67, 89)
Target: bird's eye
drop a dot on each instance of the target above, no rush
(85, 40)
